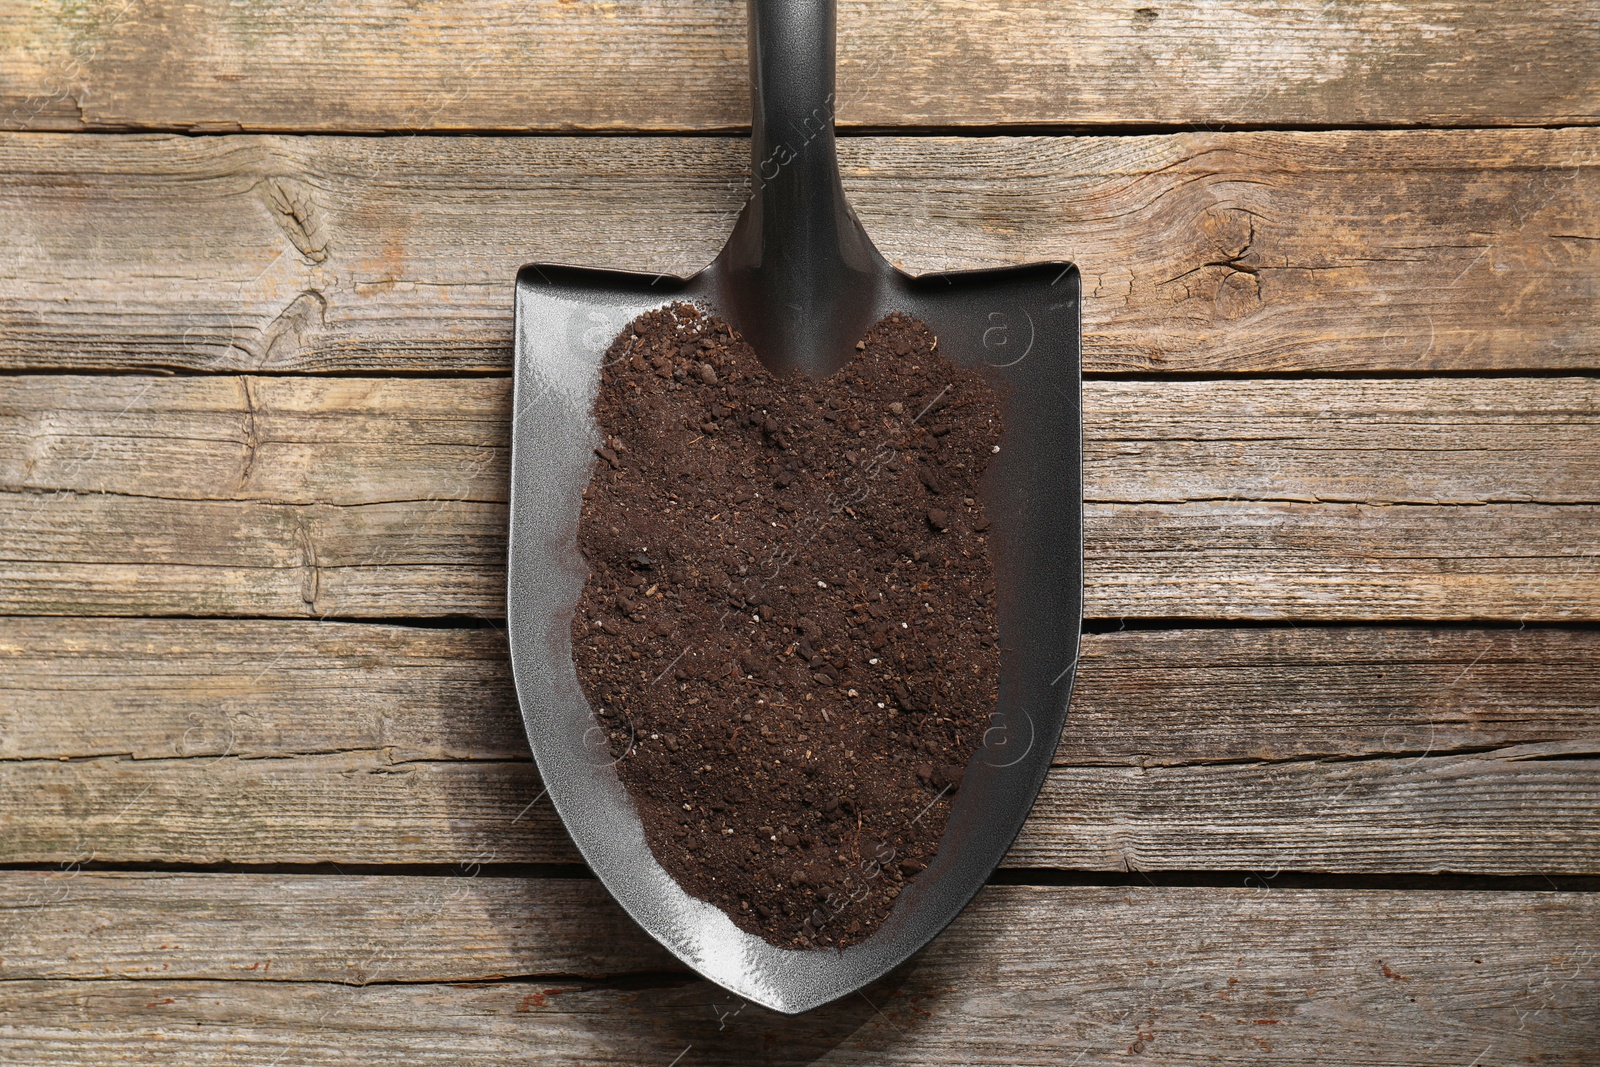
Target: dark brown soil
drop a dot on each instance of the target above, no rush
(788, 627)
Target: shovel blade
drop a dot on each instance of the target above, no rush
(1022, 323)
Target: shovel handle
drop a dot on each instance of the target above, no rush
(792, 94)
(799, 274)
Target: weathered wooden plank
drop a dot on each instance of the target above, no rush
(1427, 814)
(154, 688)
(1025, 976)
(126, 555)
(314, 928)
(369, 440)
(1349, 562)
(1526, 809)
(258, 496)
(674, 65)
(165, 688)
(310, 809)
(1183, 749)
(1191, 696)
(1418, 250)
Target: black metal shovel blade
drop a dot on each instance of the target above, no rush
(802, 281)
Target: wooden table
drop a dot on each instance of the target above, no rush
(1329, 789)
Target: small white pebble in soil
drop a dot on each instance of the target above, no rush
(822, 585)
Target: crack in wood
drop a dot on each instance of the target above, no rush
(311, 583)
(251, 440)
(293, 206)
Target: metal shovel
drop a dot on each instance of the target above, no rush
(800, 279)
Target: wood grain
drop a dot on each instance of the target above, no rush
(289, 440)
(206, 741)
(370, 498)
(162, 688)
(1173, 697)
(1238, 253)
(243, 490)
(1429, 814)
(676, 65)
(124, 555)
(1525, 809)
(1025, 976)
(152, 689)
(465, 926)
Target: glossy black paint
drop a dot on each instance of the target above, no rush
(800, 278)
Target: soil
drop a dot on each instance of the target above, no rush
(788, 628)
